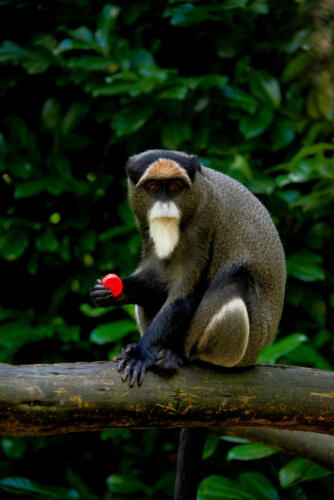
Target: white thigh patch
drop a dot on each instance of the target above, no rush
(225, 339)
(237, 307)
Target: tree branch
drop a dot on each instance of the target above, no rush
(51, 399)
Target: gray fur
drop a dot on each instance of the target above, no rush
(224, 220)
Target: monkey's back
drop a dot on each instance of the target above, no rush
(245, 234)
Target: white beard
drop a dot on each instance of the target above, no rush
(164, 227)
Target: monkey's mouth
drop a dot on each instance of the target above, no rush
(165, 218)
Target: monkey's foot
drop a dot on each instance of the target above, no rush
(168, 361)
(133, 363)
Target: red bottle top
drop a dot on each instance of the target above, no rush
(114, 283)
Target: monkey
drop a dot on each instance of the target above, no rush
(210, 285)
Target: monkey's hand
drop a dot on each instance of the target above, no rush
(133, 362)
(103, 297)
(168, 361)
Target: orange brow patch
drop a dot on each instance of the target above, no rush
(164, 169)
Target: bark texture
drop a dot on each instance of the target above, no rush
(51, 399)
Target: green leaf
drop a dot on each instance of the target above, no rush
(7, 313)
(210, 447)
(219, 487)
(315, 306)
(252, 126)
(32, 188)
(259, 485)
(106, 26)
(94, 312)
(262, 185)
(270, 354)
(23, 486)
(237, 98)
(305, 170)
(74, 116)
(14, 447)
(251, 451)
(299, 470)
(33, 62)
(187, 14)
(306, 355)
(130, 120)
(110, 332)
(174, 133)
(178, 92)
(90, 63)
(13, 244)
(77, 482)
(295, 67)
(232, 439)
(69, 44)
(304, 266)
(10, 51)
(47, 241)
(51, 113)
(265, 87)
(240, 169)
(283, 133)
(125, 484)
(83, 34)
(17, 333)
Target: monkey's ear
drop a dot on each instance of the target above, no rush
(195, 163)
(134, 170)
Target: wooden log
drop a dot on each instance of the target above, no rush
(51, 399)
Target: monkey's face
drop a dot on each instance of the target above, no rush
(161, 194)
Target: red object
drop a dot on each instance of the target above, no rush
(114, 283)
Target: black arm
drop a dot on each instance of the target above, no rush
(165, 336)
(168, 327)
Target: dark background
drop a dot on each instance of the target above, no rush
(247, 86)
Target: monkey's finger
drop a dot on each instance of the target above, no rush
(127, 369)
(121, 364)
(103, 292)
(161, 354)
(99, 282)
(141, 374)
(103, 301)
(135, 373)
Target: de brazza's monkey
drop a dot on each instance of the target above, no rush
(211, 282)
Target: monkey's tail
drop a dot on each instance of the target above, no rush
(189, 463)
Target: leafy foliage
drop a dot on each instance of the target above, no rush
(243, 84)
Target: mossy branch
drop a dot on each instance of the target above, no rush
(51, 399)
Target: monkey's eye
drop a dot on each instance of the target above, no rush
(174, 186)
(152, 186)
